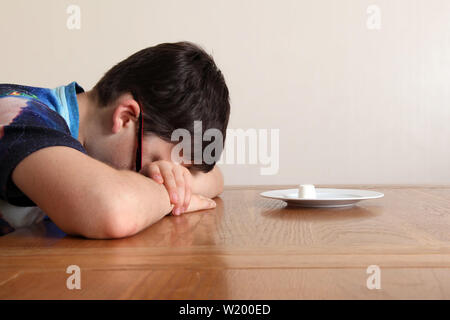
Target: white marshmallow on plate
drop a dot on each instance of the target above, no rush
(307, 191)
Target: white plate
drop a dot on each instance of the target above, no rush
(325, 198)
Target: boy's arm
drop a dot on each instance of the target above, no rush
(84, 196)
(208, 184)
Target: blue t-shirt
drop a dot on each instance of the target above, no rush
(32, 118)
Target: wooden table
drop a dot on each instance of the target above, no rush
(249, 248)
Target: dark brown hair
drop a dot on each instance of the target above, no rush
(175, 84)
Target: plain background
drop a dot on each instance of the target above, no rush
(353, 105)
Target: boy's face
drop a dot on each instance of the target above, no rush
(153, 149)
(116, 139)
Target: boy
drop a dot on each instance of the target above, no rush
(98, 163)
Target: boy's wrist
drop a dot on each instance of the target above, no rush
(146, 194)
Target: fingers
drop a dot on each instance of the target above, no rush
(178, 181)
(187, 193)
(174, 180)
(169, 183)
(199, 202)
(155, 173)
(180, 185)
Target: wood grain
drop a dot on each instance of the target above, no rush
(249, 247)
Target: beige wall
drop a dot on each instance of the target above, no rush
(353, 105)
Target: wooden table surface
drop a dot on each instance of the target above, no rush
(249, 248)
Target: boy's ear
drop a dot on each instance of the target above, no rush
(125, 112)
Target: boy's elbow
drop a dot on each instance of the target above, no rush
(116, 225)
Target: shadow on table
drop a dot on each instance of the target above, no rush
(195, 228)
(318, 214)
(175, 258)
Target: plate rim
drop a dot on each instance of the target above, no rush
(378, 195)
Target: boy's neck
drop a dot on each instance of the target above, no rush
(87, 112)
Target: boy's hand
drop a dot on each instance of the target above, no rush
(199, 202)
(178, 181)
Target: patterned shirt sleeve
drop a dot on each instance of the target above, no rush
(27, 125)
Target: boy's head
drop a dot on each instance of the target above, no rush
(174, 84)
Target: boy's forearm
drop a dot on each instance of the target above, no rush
(208, 184)
(86, 197)
(148, 203)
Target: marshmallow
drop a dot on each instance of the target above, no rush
(306, 191)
